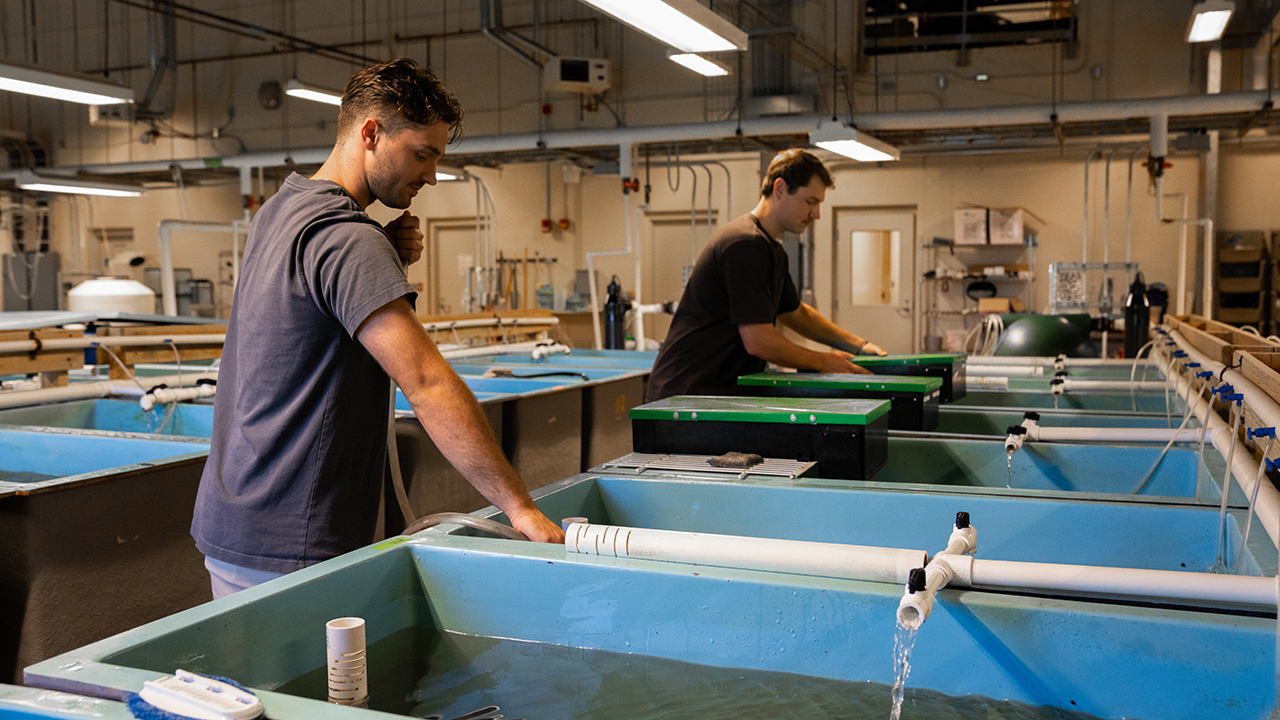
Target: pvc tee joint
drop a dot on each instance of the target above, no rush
(953, 565)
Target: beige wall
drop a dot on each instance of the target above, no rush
(1049, 186)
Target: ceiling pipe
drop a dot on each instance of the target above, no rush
(795, 125)
(491, 27)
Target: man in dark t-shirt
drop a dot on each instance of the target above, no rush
(724, 325)
(322, 322)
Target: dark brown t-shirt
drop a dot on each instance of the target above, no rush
(741, 278)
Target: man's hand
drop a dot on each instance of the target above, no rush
(870, 348)
(839, 361)
(407, 237)
(538, 527)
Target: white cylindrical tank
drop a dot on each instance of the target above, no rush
(112, 294)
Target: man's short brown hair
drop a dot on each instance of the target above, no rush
(399, 94)
(797, 167)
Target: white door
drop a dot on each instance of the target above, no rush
(442, 273)
(671, 247)
(873, 275)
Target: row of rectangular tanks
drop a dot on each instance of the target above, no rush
(457, 621)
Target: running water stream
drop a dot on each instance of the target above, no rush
(1008, 458)
(903, 640)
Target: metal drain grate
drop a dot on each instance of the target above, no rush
(774, 467)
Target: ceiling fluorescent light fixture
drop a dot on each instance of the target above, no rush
(445, 176)
(699, 64)
(1209, 20)
(28, 180)
(852, 143)
(299, 89)
(685, 25)
(42, 83)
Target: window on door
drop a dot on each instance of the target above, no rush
(874, 263)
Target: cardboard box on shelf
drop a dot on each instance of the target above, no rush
(1007, 226)
(971, 226)
(1000, 305)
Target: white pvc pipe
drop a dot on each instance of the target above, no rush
(1125, 582)
(971, 371)
(894, 565)
(1181, 300)
(1111, 434)
(1069, 384)
(168, 293)
(989, 382)
(1243, 467)
(1046, 361)
(164, 396)
(88, 341)
(636, 306)
(88, 390)
(624, 158)
(855, 562)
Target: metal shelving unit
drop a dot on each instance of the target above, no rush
(938, 319)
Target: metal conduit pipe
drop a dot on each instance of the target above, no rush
(1018, 115)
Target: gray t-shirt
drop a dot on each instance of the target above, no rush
(300, 419)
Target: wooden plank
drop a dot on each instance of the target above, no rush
(1213, 347)
(1261, 372)
(163, 354)
(167, 330)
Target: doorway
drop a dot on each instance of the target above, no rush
(675, 239)
(441, 277)
(873, 275)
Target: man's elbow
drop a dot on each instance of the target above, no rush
(754, 343)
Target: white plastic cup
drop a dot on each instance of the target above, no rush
(348, 670)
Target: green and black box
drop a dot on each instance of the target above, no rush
(914, 400)
(848, 439)
(948, 366)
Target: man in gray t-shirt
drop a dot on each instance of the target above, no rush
(322, 316)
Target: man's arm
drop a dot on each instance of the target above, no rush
(765, 342)
(811, 324)
(450, 414)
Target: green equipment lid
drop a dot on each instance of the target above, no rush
(890, 383)
(926, 359)
(809, 411)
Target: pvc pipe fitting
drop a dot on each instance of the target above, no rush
(348, 671)
(165, 395)
(1017, 434)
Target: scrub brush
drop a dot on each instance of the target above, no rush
(187, 695)
(508, 373)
